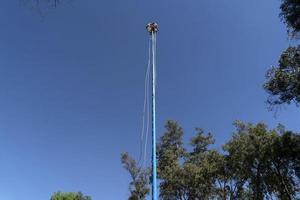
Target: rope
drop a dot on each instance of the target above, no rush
(145, 115)
(146, 109)
(154, 55)
(148, 125)
(147, 106)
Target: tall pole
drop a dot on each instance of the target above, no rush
(154, 187)
(152, 29)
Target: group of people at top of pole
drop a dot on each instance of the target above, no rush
(152, 27)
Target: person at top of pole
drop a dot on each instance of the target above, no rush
(152, 27)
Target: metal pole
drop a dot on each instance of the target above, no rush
(154, 165)
(152, 28)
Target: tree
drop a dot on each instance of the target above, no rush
(284, 165)
(170, 152)
(69, 196)
(283, 81)
(186, 175)
(201, 166)
(230, 180)
(256, 164)
(248, 149)
(139, 186)
(265, 159)
(290, 12)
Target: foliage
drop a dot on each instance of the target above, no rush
(256, 164)
(256, 152)
(283, 82)
(139, 186)
(290, 12)
(69, 196)
(170, 151)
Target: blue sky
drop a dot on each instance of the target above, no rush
(72, 84)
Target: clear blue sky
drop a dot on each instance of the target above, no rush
(71, 85)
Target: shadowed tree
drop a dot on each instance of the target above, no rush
(290, 12)
(284, 165)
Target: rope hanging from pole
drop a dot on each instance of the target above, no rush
(146, 114)
(152, 28)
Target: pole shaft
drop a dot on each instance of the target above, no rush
(154, 165)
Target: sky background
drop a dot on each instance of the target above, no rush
(72, 85)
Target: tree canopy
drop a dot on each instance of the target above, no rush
(69, 196)
(283, 80)
(256, 163)
(139, 186)
(290, 12)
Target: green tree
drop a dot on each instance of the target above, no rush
(256, 164)
(248, 149)
(283, 80)
(69, 196)
(291, 143)
(201, 166)
(170, 152)
(186, 175)
(139, 186)
(283, 85)
(230, 180)
(283, 167)
(266, 160)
